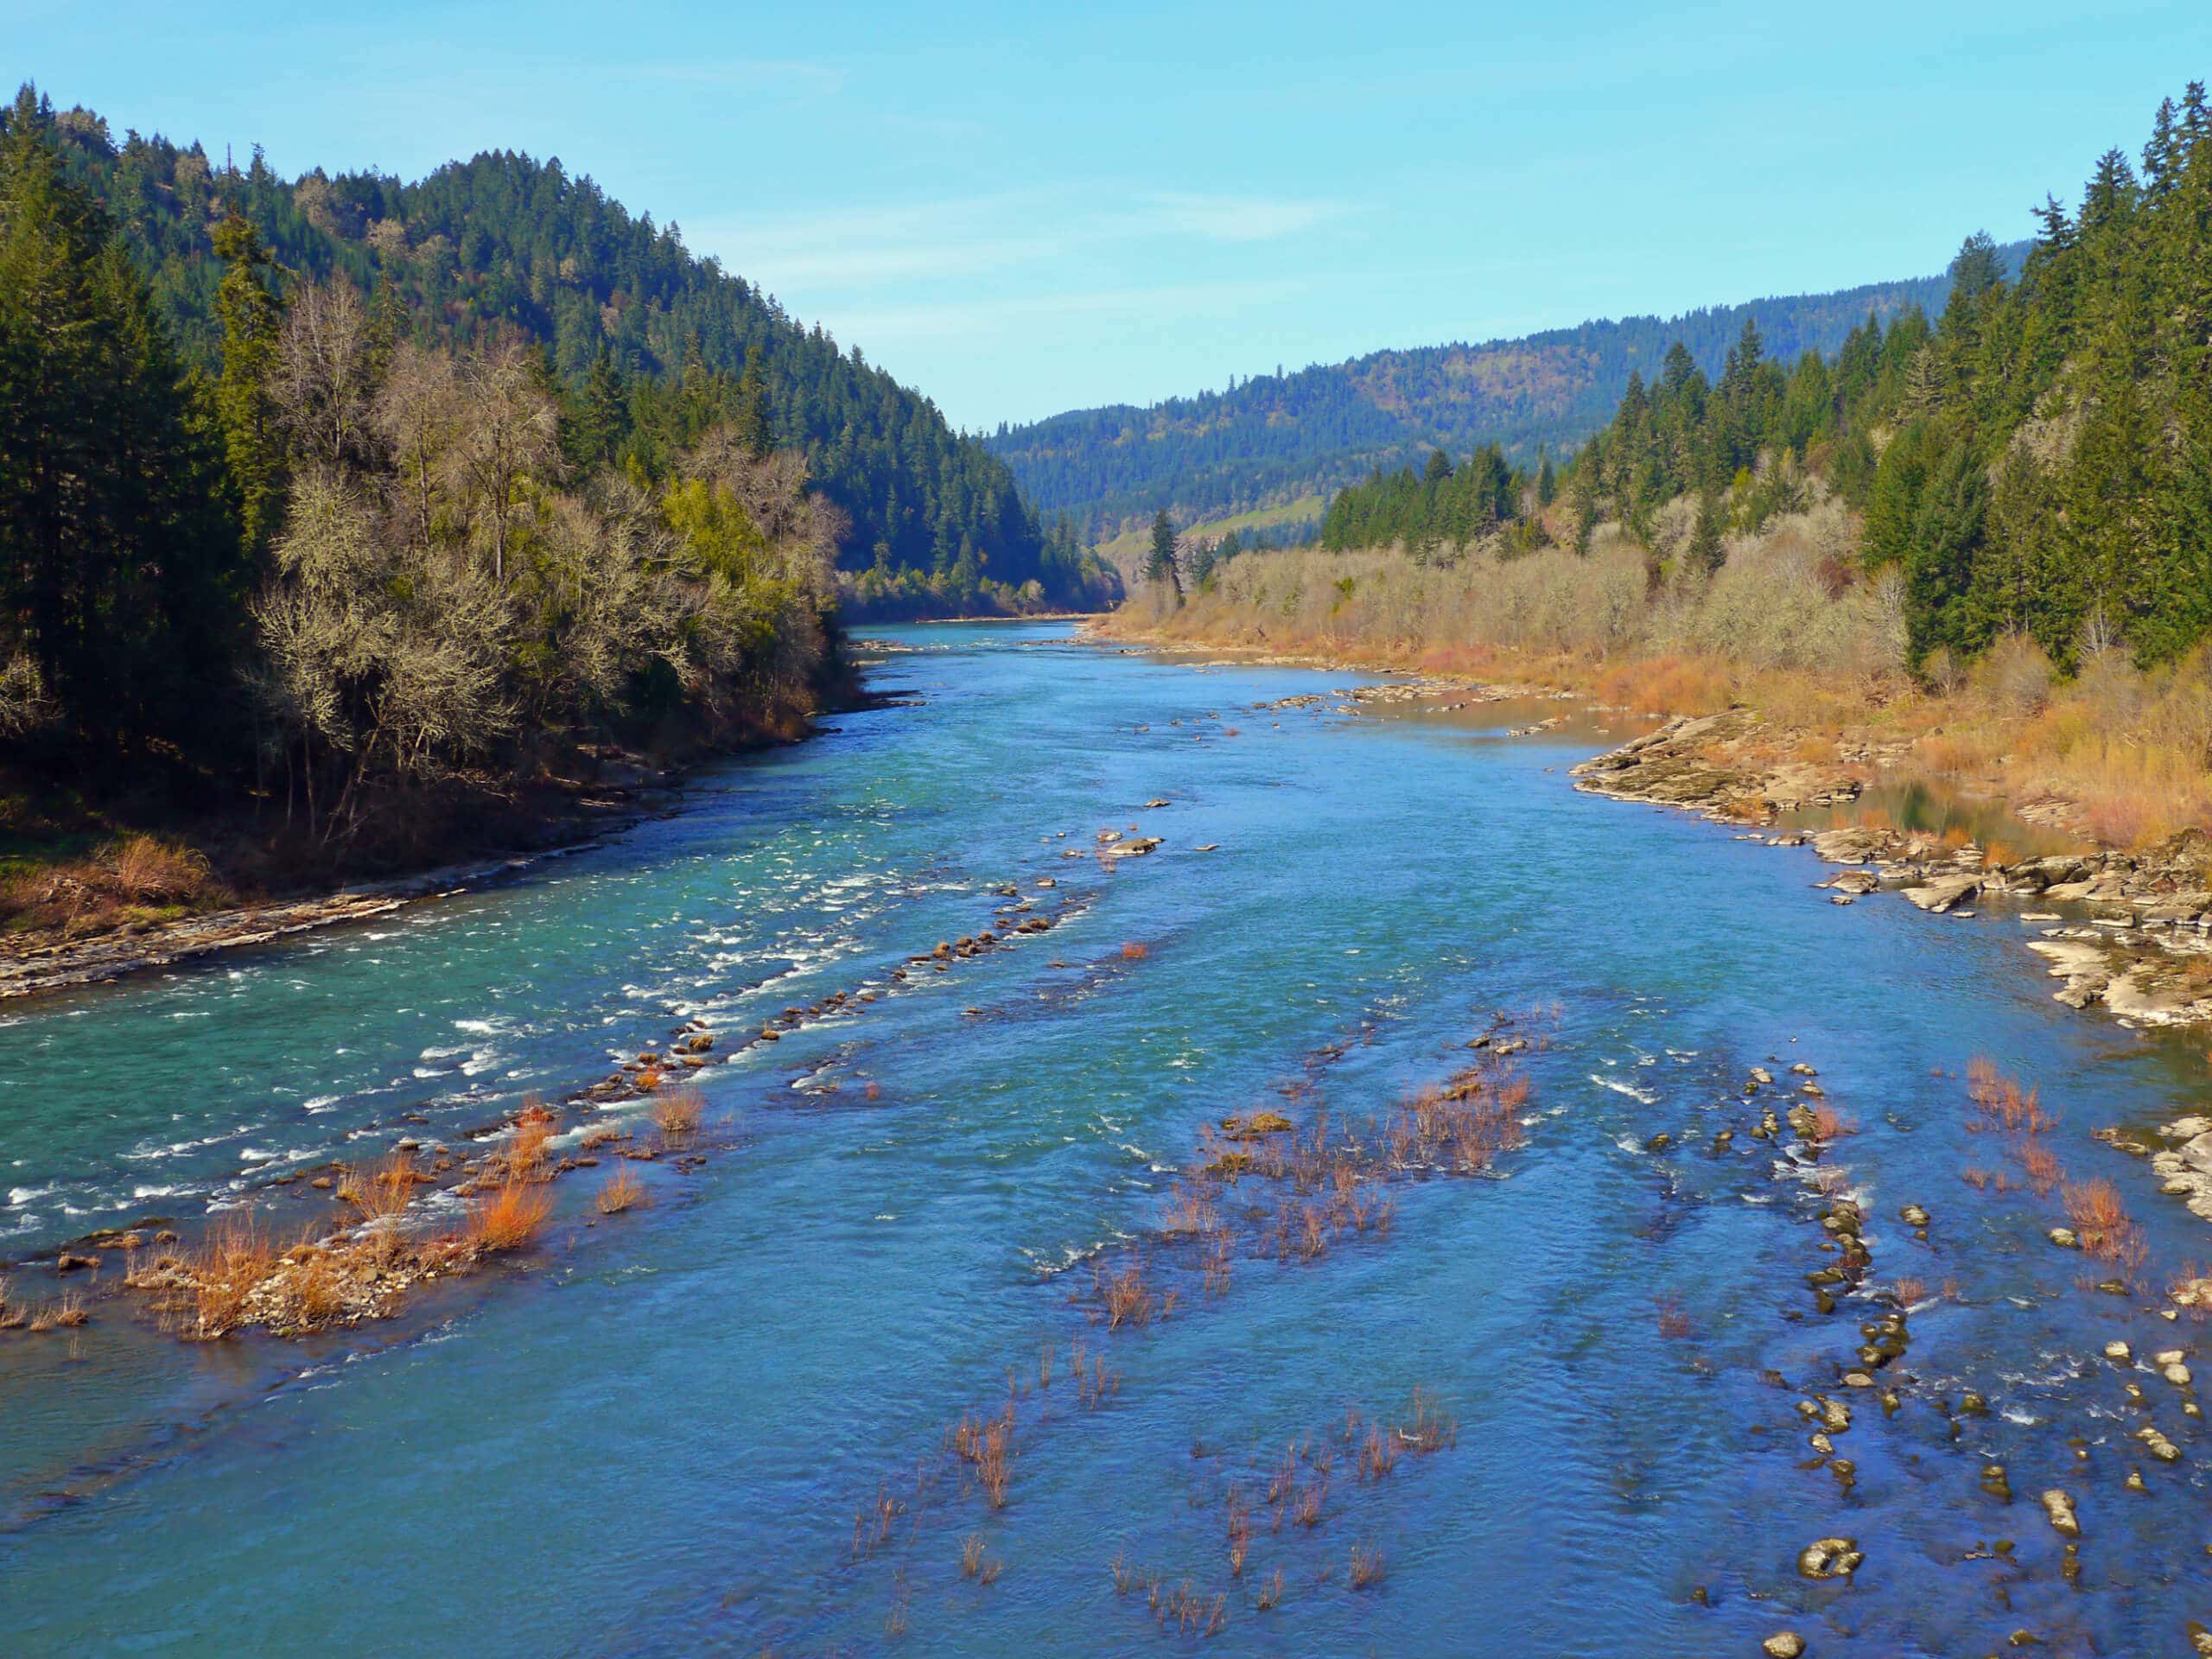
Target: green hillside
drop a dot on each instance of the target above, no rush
(1276, 438)
(505, 242)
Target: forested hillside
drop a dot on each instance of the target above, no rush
(346, 577)
(2039, 464)
(2036, 464)
(1275, 438)
(504, 245)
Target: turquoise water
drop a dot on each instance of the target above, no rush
(653, 1435)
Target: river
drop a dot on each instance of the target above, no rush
(653, 1435)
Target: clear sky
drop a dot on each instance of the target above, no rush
(1027, 208)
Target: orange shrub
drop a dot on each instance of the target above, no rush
(508, 1218)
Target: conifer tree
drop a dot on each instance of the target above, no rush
(753, 431)
(1708, 552)
(246, 300)
(1161, 566)
(120, 590)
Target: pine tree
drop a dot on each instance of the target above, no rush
(753, 430)
(1162, 565)
(251, 312)
(120, 582)
(1708, 552)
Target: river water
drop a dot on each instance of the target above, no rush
(652, 1434)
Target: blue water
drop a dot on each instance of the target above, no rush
(651, 1434)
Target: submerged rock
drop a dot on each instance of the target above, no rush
(2161, 1447)
(2060, 1508)
(1830, 1558)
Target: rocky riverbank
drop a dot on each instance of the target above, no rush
(2136, 937)
(37, 962)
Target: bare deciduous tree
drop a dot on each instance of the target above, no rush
(509, 433)
(418, 412)
(323, 383)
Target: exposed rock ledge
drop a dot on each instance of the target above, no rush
(2137, 939)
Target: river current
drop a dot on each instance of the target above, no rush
(727, 1423)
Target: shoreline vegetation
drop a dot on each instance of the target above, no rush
(1772, 749)
(325, 562)
(1975, 553)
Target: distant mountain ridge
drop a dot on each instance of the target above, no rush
(1276, 438)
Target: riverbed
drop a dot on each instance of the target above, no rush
(727, 1422)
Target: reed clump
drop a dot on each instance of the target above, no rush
(65, 1313)
(975, 1563)
(621, 1191)
(2102, 1224)
(1128, 1296)
(381, 1191)
(508, 1218)
(675, 1112)
(1368, 1567)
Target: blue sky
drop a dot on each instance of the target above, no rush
(1023, 208)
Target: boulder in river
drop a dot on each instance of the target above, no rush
(1783, 1644)
(1940, 893)
(2060, 1508)
(1830, 1558)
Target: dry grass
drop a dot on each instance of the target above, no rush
(1126, 1295)
(984, 1447)
(63, 1314)
(235, 1257)
(1912, 1292)
(1786, 627)
(1238, 1527)
(2102, 1223)
(2001, 1103)
(381, 1190)
(1368, 1567)
(622, 1190)
(676, 1112)
(2043, 1170)
(1830, 1125)
(525, 1153)
(1674, 1317)
(131, 879)
(508, 1218)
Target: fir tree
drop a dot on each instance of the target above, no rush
(1708, 552)
(1161, 566)
(246, 302)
